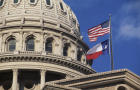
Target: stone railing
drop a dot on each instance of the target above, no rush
(35, 53)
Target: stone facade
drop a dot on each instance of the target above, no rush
(39, 42)
(112, 80)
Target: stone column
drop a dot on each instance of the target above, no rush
(42, 80)
(61, 45)
(20, 42)
(15, 79)
(0, 42)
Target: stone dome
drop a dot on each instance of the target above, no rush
(39, 38)
(53, 14)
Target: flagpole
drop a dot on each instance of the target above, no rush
(111, 50)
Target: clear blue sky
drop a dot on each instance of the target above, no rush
(125, 27)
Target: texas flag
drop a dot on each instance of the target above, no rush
(98, 50)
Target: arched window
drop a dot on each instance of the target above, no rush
(121, 88)
(89, 62)
(1, 2)
(29, 84)
(48, 45)
(11, 44)
(30, 44)
(32, 1)
(79, 55)
(61, 6)
(65, 49)
(15, 1)
(74, 21)
(48, 2)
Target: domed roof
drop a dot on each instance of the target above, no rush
(45, 32)
(39, 13)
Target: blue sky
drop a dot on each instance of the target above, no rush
(125, 27)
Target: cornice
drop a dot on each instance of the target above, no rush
(102, 78)
(59, 86)
(48, 58)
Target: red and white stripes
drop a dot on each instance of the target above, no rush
(96, 31)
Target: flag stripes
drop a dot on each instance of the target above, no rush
(96, 34)
(98, 30)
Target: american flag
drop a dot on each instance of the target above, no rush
(98, 30)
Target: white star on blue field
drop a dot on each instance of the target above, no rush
(125, 28)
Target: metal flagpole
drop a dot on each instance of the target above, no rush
(111, 51)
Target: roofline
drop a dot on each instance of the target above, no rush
(102, 78)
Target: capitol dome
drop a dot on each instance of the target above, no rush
(40, 41)
(54, 14)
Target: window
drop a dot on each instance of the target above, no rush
(74, 21)
(30, 44)
(11, 44)
(48, 2)
(121, 88)
(89, 62)
(61, 6)
(15, 1)
(48, 45)
(32, 1)
(1, 2)
(79, 55)
(29, 84)
(65, 49)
